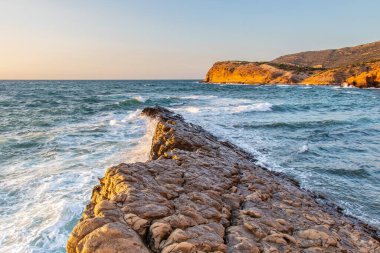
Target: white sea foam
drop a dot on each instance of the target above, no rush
(303, 149)
(199, 97)
(139, 98)
(132, 116)
(259, 107)
(192, 109)
(113, 122)
(284, 85)
(46, 194)
(140, 153)
(226, 105)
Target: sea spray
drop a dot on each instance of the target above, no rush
(46, 200)
(140, 153)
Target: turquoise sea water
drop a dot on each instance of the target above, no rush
(58, 137)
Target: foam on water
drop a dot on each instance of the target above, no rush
(303, 149)
(260, 107)
(199, 97)
(48, 198)
(139, 99)
(192, 109)
(113, 122)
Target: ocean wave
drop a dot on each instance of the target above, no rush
(132, 116)
(139, 99)
(61, 184)
(349, 172)
(284, 85)
(293, 125)
(131, 101)
(259, 107)
(113, 122)
(225, 108)
(192, 109)
(199, 97)
(303, 149)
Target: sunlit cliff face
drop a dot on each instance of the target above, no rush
(250, 73)
(366, 79)
(363, 75)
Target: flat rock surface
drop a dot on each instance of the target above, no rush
(198, 194)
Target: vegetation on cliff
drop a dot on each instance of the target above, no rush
(334, 58)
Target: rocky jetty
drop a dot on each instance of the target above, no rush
(356, 66)
(199, 194)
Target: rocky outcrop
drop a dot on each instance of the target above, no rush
(252, 73)
(334, 58)
(360, 75)
(199, 194)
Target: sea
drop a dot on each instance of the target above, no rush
(57, 138)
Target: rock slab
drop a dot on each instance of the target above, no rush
(198, 194)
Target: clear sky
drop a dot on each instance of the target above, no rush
(169, 39)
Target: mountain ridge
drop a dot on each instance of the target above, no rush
(333, 58)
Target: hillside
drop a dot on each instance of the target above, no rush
(333, 58)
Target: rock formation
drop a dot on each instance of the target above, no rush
(199, 194)
(357, 66)
(252, 73)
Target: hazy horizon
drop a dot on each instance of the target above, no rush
(168, 40)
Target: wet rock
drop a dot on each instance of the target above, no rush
(197, 194)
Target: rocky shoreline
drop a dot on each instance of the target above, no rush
(199, 194)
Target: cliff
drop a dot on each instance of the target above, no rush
(360, 75)
(334, 58)
(252, 73)
(357, 66)
(198, 194)
(364, 75)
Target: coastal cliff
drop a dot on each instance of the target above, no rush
(356, 66)
(253, 73)
(364, 75)
(199, 194)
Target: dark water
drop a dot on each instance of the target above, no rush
(57, 137)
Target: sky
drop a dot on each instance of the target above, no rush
(169, 39)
